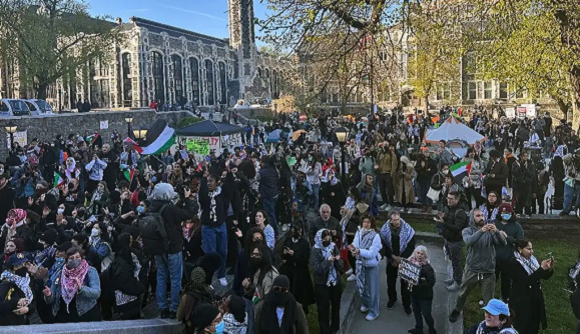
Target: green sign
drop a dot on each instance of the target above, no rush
(200, 146)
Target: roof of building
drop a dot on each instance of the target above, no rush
(175, 32)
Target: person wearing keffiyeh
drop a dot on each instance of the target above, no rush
(16, 295)
(327, 266)
(526, 296)
(398, 239)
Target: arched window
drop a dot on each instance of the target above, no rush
(259, 72)
(126, 77)
(194, 67)
(177, 78)
(209, 82)
(158, 85)
(223, 86)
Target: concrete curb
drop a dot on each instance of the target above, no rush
(148, 326)
(350, 297)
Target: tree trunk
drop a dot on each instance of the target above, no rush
(564, 106)
(426, 102)
(575, 80)
(41, 90)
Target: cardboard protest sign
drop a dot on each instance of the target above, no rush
(409, 272)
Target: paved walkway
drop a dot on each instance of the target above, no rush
(395, 321)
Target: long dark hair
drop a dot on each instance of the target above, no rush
(124, 248)
(356, 195)
(266, 264)
(249, 243)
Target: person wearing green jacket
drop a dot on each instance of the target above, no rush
(511, 230)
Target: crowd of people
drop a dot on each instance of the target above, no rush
(94, 230)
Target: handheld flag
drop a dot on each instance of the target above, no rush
(58, 181)
(129, 174)
(131, 142)
(460, 170)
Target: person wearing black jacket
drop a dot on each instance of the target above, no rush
(496, 173)
(125, 284)
(268, 177)
(454, 220)
(398, 239)
(6, 197)
(426, 167)
(17, 300)
(214, 201)
(524, 178)
(170, 262)
(422, 293)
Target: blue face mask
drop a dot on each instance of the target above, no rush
(140, 209)
(219, 328)
(506, 216)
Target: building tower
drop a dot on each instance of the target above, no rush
(242, 39)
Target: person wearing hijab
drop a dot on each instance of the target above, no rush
(15, 226)
(422, 293)
(526, 296)
(74, 294)
(332, 193)
(196, 293)
(366, 247)
(280, 313)
(368, 193)
(71, 171)
(327, 267)
(16, 293)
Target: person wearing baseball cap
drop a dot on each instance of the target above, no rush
(16, 292)
(511, 230)
(497, 319)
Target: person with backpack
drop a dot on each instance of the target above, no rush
(166, 216)
(454, 220)
(196, 293)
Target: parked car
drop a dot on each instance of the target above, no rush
(39, 107)
(12, 107)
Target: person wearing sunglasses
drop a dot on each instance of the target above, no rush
(280, 312)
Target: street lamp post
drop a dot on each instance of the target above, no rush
(140, 133)
(129, 120)
(11, 129)
(342, 136)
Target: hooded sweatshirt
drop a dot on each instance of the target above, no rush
(514, 231)
(481, 247)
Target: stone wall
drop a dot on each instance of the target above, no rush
(255, 112)
(47, 127)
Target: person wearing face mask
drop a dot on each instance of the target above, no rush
(206, 319)
(16, 292)
(497, 320)
(74, 294)
(100, 254)
(261, 274)
(12, 247)
(280, 313)
(511, 231)
(254, 237)
(45, 254)
(292, 257)
(327, 267)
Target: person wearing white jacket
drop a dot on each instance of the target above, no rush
(366, 247)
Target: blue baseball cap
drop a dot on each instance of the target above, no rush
(17, 259)
(497, 307)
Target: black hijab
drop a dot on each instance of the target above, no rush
(275, 299)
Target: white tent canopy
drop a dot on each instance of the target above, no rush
(453, 129)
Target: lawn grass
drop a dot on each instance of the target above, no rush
(558, 310)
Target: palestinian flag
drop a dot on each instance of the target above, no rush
(58, 181)
(91, 139)
(160, 137)
(460, 170)
(131, 142)
(129, 174)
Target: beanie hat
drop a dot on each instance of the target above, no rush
(505, 208)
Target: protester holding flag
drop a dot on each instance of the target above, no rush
(473, 181)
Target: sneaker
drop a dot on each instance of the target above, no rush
(384, 207)
(348, 272)
(415, 331)
(351, 278)
(223, 281)
(449, 281)
(370, 317)
(408, 310)
(164, 314)
(409, 210)
(364, 309)
(172, 315)
(388, 208)
(453, 287)
(454, 316)
(391, 304)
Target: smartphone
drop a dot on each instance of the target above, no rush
(551, 256)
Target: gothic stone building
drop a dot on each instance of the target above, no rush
(169, 64)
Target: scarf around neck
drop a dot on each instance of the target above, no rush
(406, 233)
(23, 283)
(69, 288)
(327, 252)
(366, 239)
(530, 265)
(213, 203)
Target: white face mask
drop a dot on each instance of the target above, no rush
(95, 233)
(60, 211)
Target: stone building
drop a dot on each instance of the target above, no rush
(169, 64)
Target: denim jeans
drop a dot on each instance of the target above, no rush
(270, 208)
(569, 193)
(215, 239)
(169, 266)
(316, 195)
(422, 309)
(370, 296)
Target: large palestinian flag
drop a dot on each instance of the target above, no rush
(160, 137)
(460, 170)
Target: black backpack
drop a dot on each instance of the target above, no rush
(152, 227)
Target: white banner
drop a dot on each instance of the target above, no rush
(19, 137)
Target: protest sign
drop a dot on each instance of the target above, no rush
(409, 272)
(200, 146)
(20, 137)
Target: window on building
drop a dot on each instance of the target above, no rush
(177, 78)
(100, 93)
(487, 90)
(520, 94)
(158, 77)
(126, 77)
(209, 82)
(223, 83)
(503, 90)
(194, 68)
(472, 91)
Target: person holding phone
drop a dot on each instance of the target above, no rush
(526, 296)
